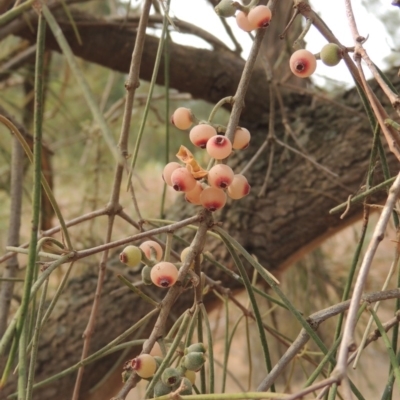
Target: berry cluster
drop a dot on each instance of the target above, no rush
(247, 18)
(191, 178)
(181, 378)
(303, 63)
(163, 274)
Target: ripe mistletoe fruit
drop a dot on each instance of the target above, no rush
(164, 274)
(182, 118)
(145, 365)
(303, 63)
(193, 196)
(219, 147)
(213, 199)
(241, 139)
(168, 170)
(243, 22)
(331, 54)
(239, 187)
(259, 16)
(182, 180)
(220, 176)
(200, 134)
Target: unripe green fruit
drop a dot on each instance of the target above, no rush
(146, 275)
(196, 348)
(160, 389)
(171, 377)
(186, 386)
(225, 9)
(193, 361)
(331, 54)
(131, 256)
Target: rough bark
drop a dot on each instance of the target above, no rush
(277, 228)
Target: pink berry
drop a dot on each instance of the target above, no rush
(182, 180)
(164, 274)
(243, 22)
(303, 63)
(145, 365)
(182, 118)
(194, 195)
(242, 139)
(239, 187)
(168, 170)
(213, 199)
(219, 147)
(220, 176)
(150, 246)
(200, 134)
(259, 16)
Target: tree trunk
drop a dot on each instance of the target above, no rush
(278, 227)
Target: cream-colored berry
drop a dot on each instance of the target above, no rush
(131, 256)
(144, 365)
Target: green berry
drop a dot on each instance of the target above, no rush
(194, 361)
(160, 389)
(171, 377)
(331, 54)
(225, 9)
(185, 385)
(196, 347)
(146, 275)
(131, 256)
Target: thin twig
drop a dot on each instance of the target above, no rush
(378, 235)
